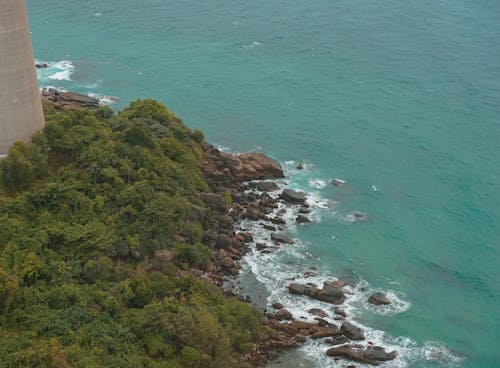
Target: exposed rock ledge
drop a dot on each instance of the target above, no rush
(69, 100)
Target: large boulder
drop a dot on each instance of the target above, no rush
(281, 238)
(266, 186)
(352, 332)
(379, 299)
(252, 166)
(373, 355)
(293, 197)
(330, 294)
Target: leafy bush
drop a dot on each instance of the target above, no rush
(84, 207)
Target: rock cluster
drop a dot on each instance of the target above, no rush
(69, 100)
(227, 176)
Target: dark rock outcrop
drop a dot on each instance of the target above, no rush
(371, 355)
(352, 332)
(281, 238)
(69, 100)
(293, 197)
(379, 299)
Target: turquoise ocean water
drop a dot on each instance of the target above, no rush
(399, 98)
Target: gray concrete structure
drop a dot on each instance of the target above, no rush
(20, 103)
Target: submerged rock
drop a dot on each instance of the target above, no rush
(281, 238)
(301, 219)
(379, 299)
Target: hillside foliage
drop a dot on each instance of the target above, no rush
(83, 209)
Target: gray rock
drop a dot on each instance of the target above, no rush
(371, 355)
(352, 332)
(330, 294)
(293, 197)
(337, 340)
(378, 299)
(318, 312)
(267, 186)
(281, 238)
(301, 219)
(283, 315)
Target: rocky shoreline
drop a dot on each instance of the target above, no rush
(240, 185)
(233, 180)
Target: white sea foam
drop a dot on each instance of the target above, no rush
(104, 100)
(55, 70)
(64, 71)
(317, 183)
(252, 45)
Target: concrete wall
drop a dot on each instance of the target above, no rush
(20, 104)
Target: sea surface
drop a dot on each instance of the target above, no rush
(401, 99)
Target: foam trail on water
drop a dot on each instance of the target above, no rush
(56, 70)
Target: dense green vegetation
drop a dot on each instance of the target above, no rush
(83, 209)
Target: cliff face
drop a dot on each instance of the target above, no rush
(20, 104)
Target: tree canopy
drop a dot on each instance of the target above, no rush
(83, 209)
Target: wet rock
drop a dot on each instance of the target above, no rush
(293, 197)
(330, 294)
(269, 227)
(318, 312)
(324, 323)
(245, 236)
(326, 332)
(300, 166)
(358, 216)
(41, 65)
(283, 315)
(301, 219)
(337, 182)
(278, 221)
(304, 210)
(371, 355)
(309, 274)
(267, 186)
(352, 332)
(337, 340)
(298, 289)
(261, 246)
(281, 212)
(336, 283)
(378, 299)
(340, 311)
(281, 238)
(277, 305)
